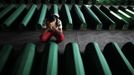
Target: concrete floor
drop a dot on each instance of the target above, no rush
(17, 39)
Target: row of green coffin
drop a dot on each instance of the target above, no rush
(114, 2)
(45, 1)
(125, 2)
(111, 61)
(13, 17)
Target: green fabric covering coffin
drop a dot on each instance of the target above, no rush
(66, 17)
(128, 51)
(28, 16)
(79, 21)
(130, 8)
(73, 61)
(42, 16)
(14, 16)
(117, 61)
(6, 10)
(108, 23)
(120, 22)
(94, 61)
(52, 65)
(4, 55)
(92, 20)
(129, 13)
(54, 9)
(46, 59)
(24, 63)
(124, 16)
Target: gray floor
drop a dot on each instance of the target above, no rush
(17, 39)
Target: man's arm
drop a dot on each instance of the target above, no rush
(59, 26)
(44, 29)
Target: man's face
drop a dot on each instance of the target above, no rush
(51, 23)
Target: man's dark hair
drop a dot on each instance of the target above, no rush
(51, 17)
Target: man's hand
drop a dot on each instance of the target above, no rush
(51, 26)
(57, 29)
